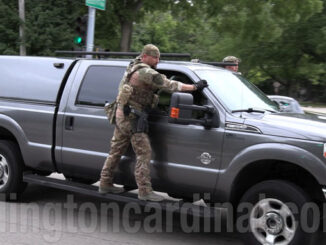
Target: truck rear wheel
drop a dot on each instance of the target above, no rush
(277, 214)
(11, 169)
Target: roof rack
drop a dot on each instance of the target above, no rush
(219, 63)
(121, 54)
(101, 54)
(214, 63)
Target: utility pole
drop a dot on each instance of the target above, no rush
(22, 48)
(92, 6)
(90, 30)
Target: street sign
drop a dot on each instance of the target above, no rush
(98, 4)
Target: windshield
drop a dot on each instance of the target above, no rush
(235, 92)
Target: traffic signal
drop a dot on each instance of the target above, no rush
(81, 30)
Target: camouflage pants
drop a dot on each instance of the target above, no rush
(121, 139)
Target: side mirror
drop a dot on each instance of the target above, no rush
(180, 115)
(181, 108)
(281, 107)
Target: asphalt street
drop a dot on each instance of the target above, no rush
(315, 109)
(50, 216)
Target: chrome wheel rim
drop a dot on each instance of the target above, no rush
(272, 222)
(4, 171)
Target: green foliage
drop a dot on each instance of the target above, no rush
(150, 32)
(277, 40)
(175, 32)
(9, 27)
(107, 30)
(50, 26)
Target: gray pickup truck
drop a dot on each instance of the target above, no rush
(229, 141)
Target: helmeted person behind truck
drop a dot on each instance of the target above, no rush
(234, 60)
(136, 96)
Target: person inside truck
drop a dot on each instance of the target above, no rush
(136, 95)
(234, 60)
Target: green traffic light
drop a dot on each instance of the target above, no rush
(78, 40)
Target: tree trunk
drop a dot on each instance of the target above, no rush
(126, 22)
(126, 32)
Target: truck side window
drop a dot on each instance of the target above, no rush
(100, 84)
(164, 102)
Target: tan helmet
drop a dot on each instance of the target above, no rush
(151, 50)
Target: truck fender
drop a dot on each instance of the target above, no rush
(270, 151)
(13, 127)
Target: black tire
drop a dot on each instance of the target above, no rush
(275, 209)
(11, 170)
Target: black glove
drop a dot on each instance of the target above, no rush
(201, 84)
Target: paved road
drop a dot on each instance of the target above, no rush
(315, 109)
(50, 216)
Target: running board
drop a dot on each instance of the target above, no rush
(126, 197)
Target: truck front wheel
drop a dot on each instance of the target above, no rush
(11, 169)
(277, 212)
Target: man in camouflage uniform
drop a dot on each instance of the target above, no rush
(136, 93)
(232, 59)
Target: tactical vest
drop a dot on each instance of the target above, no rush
(142, 96)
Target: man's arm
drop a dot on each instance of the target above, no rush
(174, 86)
(160, 81)
(188, 87)
(191, 87)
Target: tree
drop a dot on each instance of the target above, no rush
(129, 12)
(277, 41)
(50, 26)
(269, 36)
(175, 31)
(9, 26)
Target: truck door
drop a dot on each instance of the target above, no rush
(86, 132)
(186, 158)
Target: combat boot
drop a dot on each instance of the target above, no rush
(151, 196)
(103, 189)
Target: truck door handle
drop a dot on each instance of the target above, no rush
(69, 123)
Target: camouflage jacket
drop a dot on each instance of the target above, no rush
(145, 81)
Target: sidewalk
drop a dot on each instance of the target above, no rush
(315, 109)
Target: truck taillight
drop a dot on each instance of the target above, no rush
(174, 112)
(325, 150)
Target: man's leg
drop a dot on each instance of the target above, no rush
(119, 144)
(141, 145)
